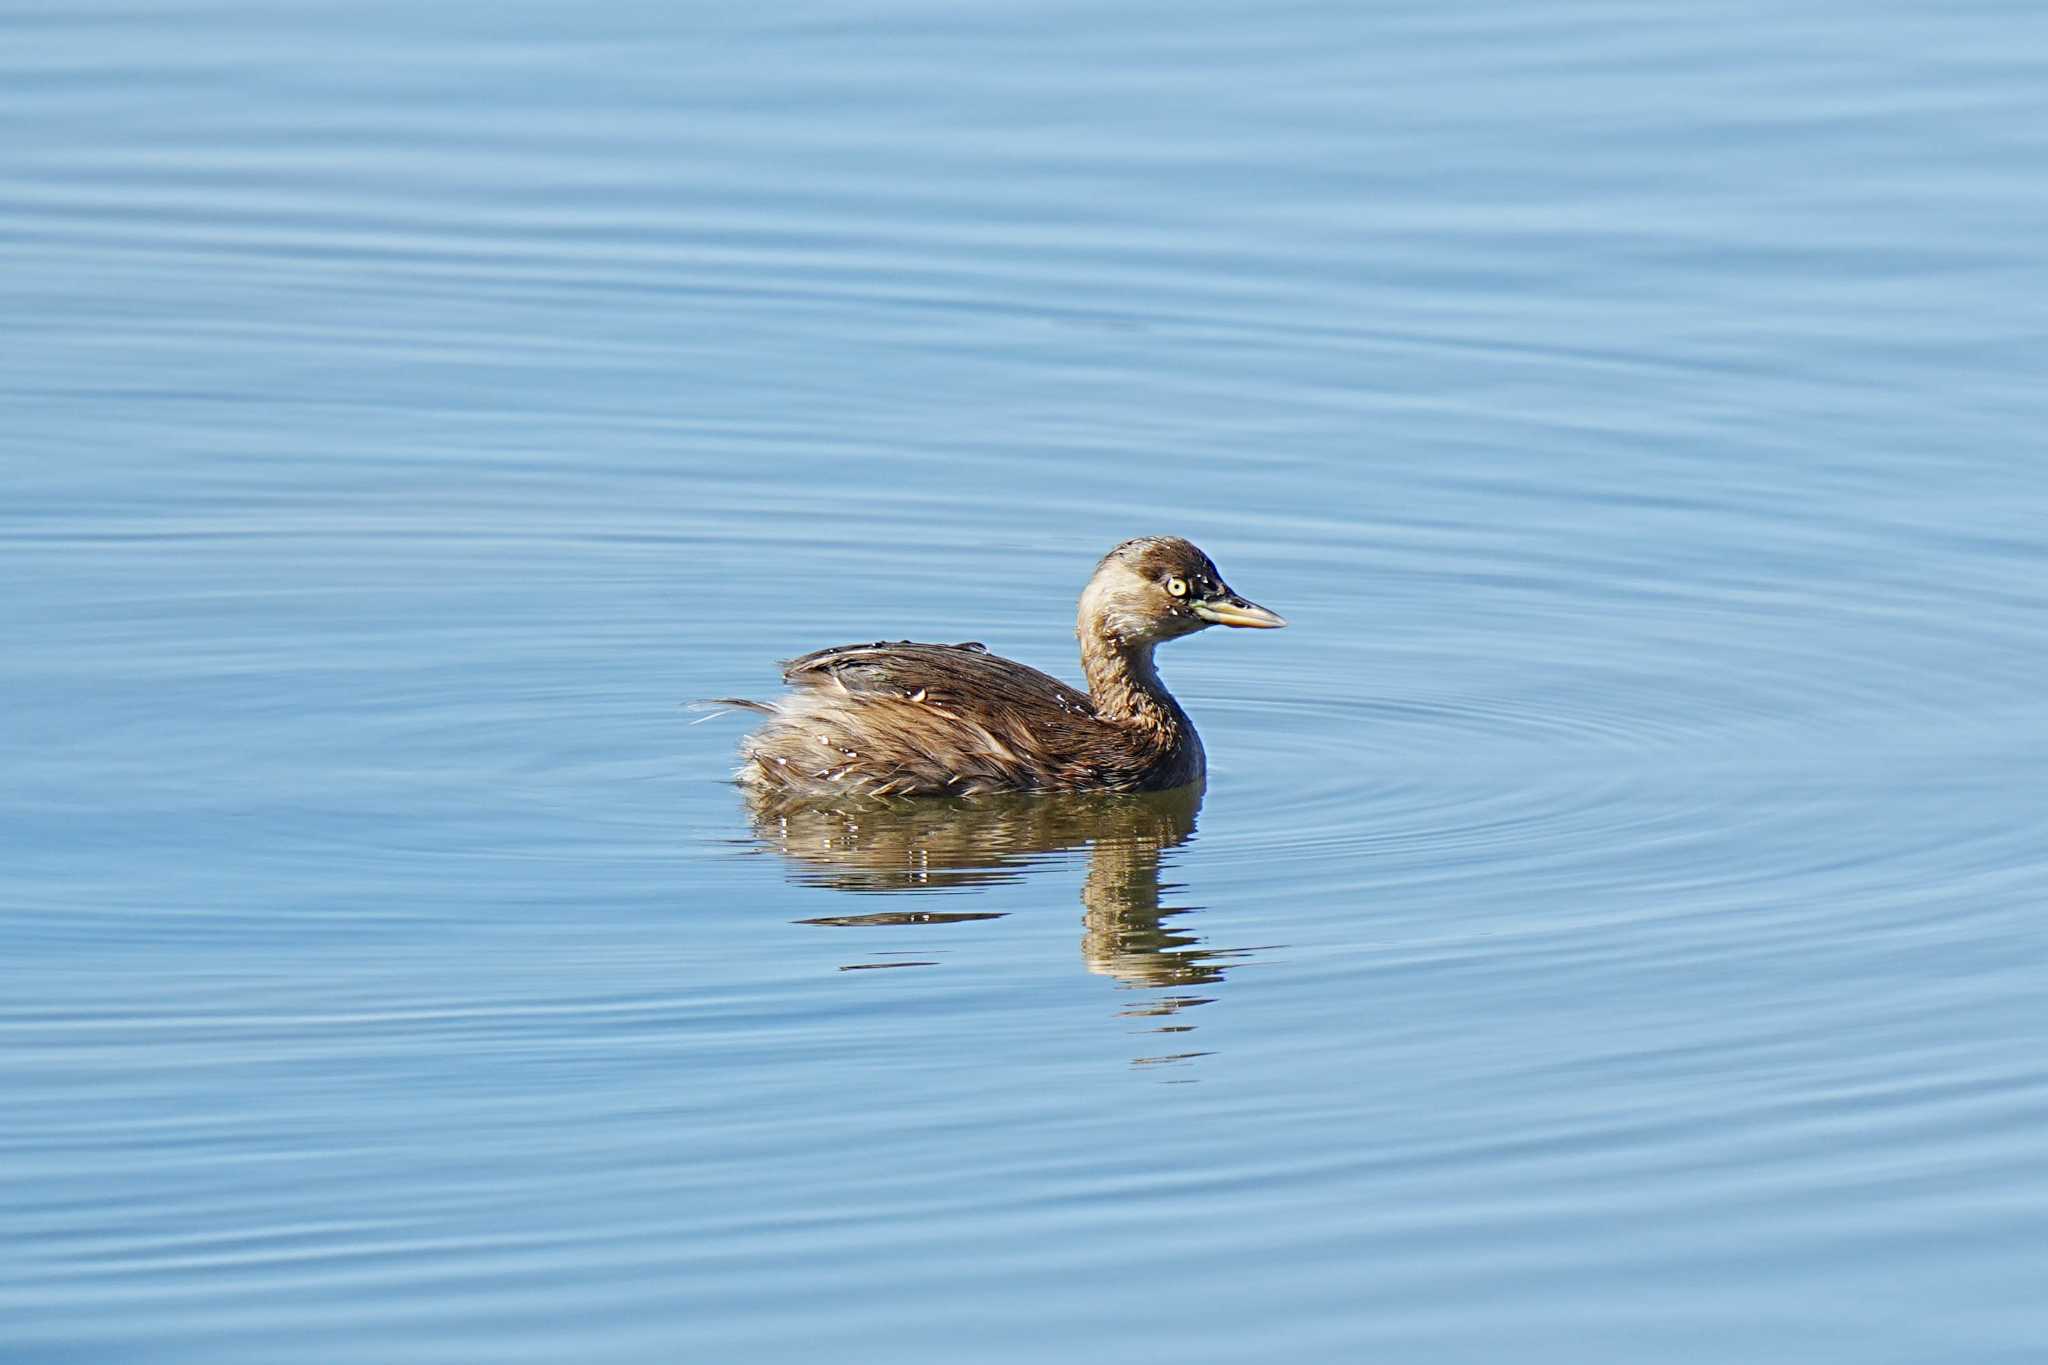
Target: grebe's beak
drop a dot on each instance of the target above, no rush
(1226, 608)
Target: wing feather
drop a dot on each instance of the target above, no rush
(946, 675)
(906, 716)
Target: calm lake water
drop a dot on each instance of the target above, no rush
(1613, 928)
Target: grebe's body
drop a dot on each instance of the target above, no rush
(914, 719)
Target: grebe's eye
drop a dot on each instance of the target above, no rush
(1177, 586)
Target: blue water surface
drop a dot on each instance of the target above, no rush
(1613, 927)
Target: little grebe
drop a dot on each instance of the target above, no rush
(907, 719)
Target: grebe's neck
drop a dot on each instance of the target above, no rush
(1126, 688)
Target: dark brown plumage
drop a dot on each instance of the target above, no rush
(914, 719)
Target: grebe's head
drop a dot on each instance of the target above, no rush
(1160, 588)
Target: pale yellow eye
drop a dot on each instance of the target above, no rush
(1177, 586)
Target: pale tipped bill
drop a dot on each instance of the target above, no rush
(1228, 609)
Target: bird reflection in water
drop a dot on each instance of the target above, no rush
(939, 845)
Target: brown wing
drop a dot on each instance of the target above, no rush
(908, 718)
(945, 676)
